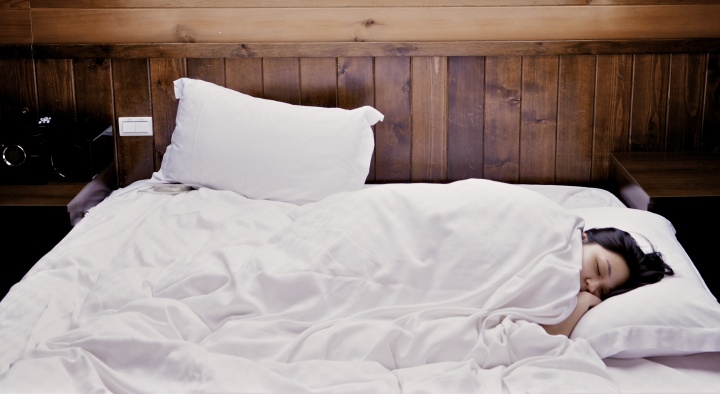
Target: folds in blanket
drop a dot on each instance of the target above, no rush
(400, 262)
(391, 288)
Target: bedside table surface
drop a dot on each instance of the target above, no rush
(49, 194)
(75, 198)
(676, 174)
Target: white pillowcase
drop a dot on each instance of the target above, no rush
(266, 149)
(675, 316)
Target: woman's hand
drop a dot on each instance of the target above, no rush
(585, 301)
(588, 300)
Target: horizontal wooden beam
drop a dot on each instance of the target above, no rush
(339, 3)
(15, 26)
(377, 49)
(372, 24)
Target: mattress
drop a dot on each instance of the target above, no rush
(179, 291)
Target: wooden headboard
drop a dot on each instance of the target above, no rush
(489, 103)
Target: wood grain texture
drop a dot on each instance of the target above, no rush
(131, 88)
(164, 104)
(503, 99)
(368, 49)
(210, 70)
(711, 116)
(538, 123)
(17, 88)
(319, 82)
(56, 93)
(649, 105)
(245, 76)
(685, 102)
(15, 4)
(522, 119)
(15, 26)
(466, 117)
(334, 3)
(380, 24)
(576, 105)
(356, 88)
(93, 92)
(612, 111)
(429, 120)
(393, 136)
(281, 79)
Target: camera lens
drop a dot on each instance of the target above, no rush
(14, 155)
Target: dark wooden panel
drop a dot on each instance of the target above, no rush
(55, 88)
(612, 111)
(466, 117)
(711, 119)
(93, 91)
(685, 105)
(210, 70)
(132, 98)
(281, 79)
(355, 88)
(393, 135)
(576, 100)
(503, 98)
(17, 88)
(245, 76)
(318, 82)
(649, 108)
(437, 127)
(164, 104)
(538, 127)
(429, 119)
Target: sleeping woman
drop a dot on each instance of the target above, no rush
(612, 264)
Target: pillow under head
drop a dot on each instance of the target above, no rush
(676, 316)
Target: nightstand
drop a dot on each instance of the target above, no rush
(36, 217)
(684, 187)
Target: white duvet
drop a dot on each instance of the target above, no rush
(394, 288)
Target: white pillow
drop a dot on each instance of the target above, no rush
(675, 316)
(265, 149)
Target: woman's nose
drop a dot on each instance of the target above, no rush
(592, 286)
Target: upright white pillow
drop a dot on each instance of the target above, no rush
(266, 149)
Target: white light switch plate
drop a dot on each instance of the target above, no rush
(135, 126)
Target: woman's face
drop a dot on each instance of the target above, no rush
(602, 270)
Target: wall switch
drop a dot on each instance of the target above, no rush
(135, 126)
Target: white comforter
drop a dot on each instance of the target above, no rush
(395, 288)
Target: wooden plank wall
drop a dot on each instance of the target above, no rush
(532, 119)
(537, 91)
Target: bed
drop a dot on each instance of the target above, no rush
(290, 274)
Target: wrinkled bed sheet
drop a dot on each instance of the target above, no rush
(394, 288)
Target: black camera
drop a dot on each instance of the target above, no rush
(44, 149)
(25, 152)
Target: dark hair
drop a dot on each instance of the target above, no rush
(645, 268)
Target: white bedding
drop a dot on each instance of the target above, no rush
(394, 288)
